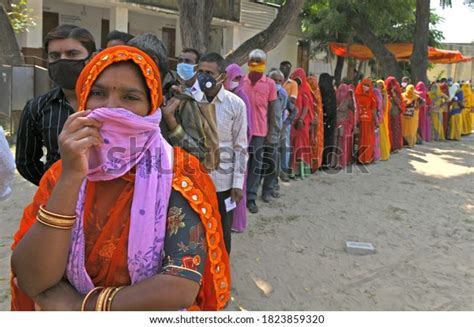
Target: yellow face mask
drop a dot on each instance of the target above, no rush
(258, 67)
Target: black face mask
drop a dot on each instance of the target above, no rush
(207, 82)
(65, 72)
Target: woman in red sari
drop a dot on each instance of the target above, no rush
(316, 137)
(123, 221)
(367, 105)
(397, 108)
(300, 142)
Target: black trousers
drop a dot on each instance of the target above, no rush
(226, 218)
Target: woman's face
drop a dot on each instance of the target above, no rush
(120, 86)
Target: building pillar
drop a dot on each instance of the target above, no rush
(119, 19)
(178, 42)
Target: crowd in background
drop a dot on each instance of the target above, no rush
(251, 131)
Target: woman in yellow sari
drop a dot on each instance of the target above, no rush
(384, 129)
(439, 101)
(467, 115)
(410, 116)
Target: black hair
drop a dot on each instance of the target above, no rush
(152, 46)
(194, 51)
(286, 63)
(214, 57)
(67, 31)
(117, 35)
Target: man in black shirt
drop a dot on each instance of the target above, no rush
(68, 47)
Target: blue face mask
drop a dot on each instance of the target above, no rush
(185, 71)
(278, 87)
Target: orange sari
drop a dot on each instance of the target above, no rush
(108, 203)
(316, 136)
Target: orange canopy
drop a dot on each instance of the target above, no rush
(402, 51)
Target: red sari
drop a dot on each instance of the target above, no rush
(300, 137)
(367, 105)
(396, 110)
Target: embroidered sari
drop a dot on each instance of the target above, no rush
(108, 228)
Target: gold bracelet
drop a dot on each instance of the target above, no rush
(108, 303)
(55, 215)
(87, 297)
(100, 305)
(52, 225)
(56, 221)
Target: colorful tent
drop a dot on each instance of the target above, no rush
(402, 51)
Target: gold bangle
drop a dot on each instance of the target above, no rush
(52, 225)
(102, 297)
(56, 221)
(55, 215)
(108, 303)
(87, 297)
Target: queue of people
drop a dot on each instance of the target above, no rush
(149, 171)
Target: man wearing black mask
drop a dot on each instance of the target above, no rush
(68, 48)
(231, 119)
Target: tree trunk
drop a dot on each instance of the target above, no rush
(419, 57)
(387, 60)
(10, 53)
(195, 17)
(269, 38)
(338, 70)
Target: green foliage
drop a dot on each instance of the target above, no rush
(393, 21)
(20, 16)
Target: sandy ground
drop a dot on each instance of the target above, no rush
(416, 209)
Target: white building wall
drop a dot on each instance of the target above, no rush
(84, 16)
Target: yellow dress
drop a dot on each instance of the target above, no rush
(438, 105)
(385, 145)
(410, 121)
(467, 116)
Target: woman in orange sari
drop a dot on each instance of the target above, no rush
(367, 105)
(123, 221)
(316, 133)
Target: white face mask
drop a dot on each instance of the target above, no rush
(404, 84)
(233, 85)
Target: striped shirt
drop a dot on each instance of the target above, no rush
(231, 117)
(41, 122)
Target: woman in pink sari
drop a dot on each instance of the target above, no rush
(424, 123)
(233, 84)
(345, 125)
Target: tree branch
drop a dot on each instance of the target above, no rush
(195, 17)
(387, 60)
(269, 38)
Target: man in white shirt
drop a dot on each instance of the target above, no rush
(231, 117)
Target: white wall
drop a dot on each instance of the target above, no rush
(140, 23)
(84, 16)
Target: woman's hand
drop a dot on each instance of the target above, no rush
(61, 297)
(169, 111)
(79, 134)
(299, 124)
